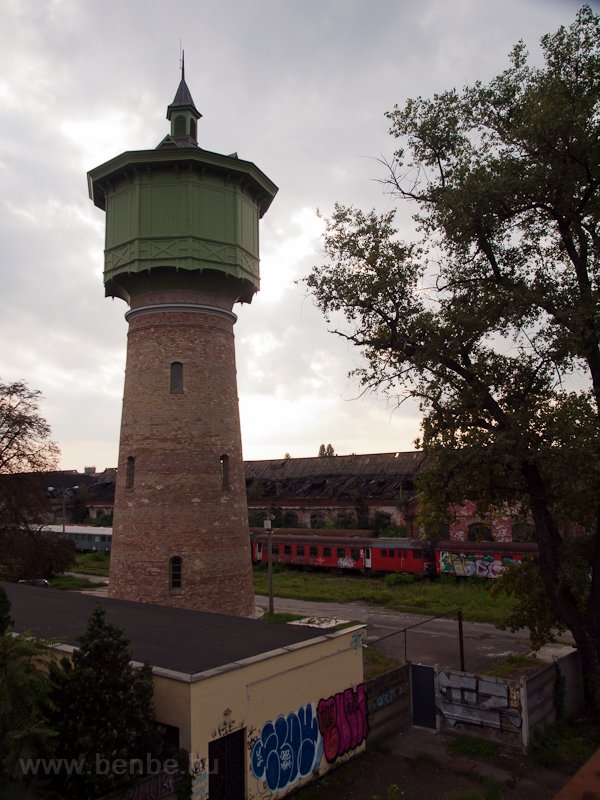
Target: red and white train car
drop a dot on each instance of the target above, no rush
(366, 555)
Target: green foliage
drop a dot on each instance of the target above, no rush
(103, 709)
(514, 666)
(96, 563)
(492, 320)
(72, 583)
(392, 531)
(566, 744)
(103, 521)
(377, 663)
(398, 579)
(425, 597)
(24, 691)
(6, 620)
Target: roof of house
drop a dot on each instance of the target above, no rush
(171, 638)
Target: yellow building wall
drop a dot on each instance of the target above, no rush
(303, 709)
(172, 705)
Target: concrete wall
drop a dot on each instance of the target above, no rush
(475, 705)
(388, 703)
(508, 711)
(543, 695)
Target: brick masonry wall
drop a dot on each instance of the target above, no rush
(467, 514)
(177, 505)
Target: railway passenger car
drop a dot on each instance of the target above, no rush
(357, 554)
(86, 538)
(480, 559)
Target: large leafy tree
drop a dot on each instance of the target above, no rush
(26, 448)
(492, 317)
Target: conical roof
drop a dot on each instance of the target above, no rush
(183, 98)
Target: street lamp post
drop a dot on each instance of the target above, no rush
(63, 496)
(267, 527)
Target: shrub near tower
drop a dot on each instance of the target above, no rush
(181, 250)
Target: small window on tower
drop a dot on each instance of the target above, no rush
(179, 127)
(224, 472)
(193, 128)
(176, 377)
(175, 572)
(130, 473)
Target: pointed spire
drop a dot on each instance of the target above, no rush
(183, 114)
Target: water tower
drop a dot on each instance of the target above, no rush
(181, 250)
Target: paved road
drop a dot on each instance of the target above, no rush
(434, 642)
(91, 578)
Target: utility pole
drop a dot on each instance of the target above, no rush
(267, 527)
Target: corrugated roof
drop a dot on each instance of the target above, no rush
(388, 464)
(377, 475)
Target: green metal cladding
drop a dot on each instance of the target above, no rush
(183, 209)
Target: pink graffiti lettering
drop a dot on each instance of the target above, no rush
(343, 721)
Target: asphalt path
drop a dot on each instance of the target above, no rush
(430, 641)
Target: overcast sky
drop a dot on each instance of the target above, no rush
(300, 87)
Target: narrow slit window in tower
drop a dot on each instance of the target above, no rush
(130, 473)
(175, 572)
(176, 377)
(180, 125)
(224, 472)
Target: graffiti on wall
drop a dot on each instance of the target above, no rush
(343, 721)
(467, 565)
(287, 749)
(477, 701)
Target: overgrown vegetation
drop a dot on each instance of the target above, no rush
(566, 744)
(376, 663)
(421, 597)
(515, 665)
(97, 563)
(72, 583)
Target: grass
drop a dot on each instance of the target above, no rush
(566, 743)
(92, 564)
(72, 583)
(376, 663)
(514, 666)
(420, 597)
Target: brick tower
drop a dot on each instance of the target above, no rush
(181, 250)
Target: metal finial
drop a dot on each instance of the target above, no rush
(183, 65)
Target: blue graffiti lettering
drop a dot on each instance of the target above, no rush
(288, 749)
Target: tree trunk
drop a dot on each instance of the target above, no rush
(585, 627)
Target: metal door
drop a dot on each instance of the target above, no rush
(422, 682)
(259, 551)
(367, 558)
(226, 758)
